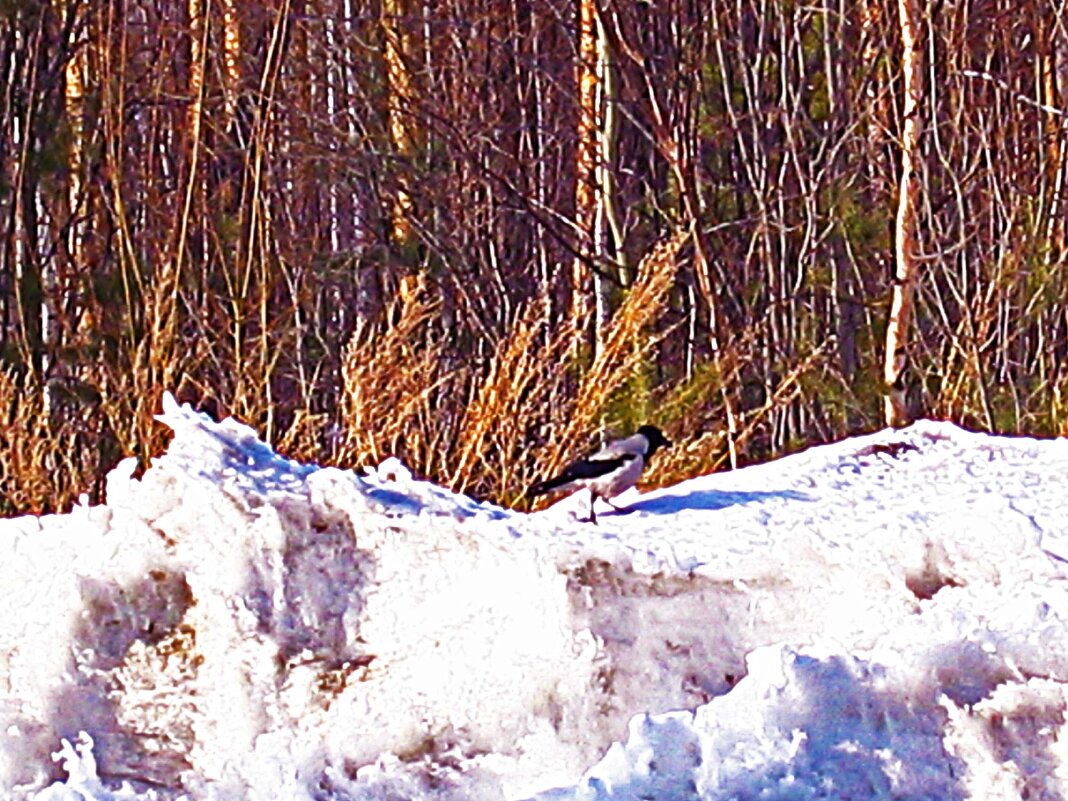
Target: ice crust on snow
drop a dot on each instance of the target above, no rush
(884, 617)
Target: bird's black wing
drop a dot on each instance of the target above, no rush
(595, 468)
(582, 469)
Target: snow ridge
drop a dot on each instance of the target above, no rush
(879, 618)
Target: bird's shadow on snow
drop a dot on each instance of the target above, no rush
(709, 500)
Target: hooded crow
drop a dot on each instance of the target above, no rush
(609, 471)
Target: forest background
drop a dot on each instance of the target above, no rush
(473, 232)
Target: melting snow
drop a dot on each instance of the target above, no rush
(879, 618)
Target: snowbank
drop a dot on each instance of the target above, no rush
(880, 618)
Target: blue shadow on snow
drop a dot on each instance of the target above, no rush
(709, 500)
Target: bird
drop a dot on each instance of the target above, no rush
(613, 469)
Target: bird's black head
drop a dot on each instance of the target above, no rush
(656, 439)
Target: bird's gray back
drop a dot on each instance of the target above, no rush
(634, 445)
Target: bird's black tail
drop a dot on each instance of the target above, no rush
(542, 487)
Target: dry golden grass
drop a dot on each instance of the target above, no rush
(391, 376)
(707, 451)
(47, 457)
(465, 430)
(491, 429)
(488, 428)
(27, 453)
(303, 439)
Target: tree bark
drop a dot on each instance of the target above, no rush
(400, 94)
(906, 265)
(588, 149)
(231, 60)
(1048, 32)
(74, 103)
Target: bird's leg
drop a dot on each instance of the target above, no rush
(593, 513)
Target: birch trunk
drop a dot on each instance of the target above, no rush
(231, 61)
(906, 266)
(74, 106)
